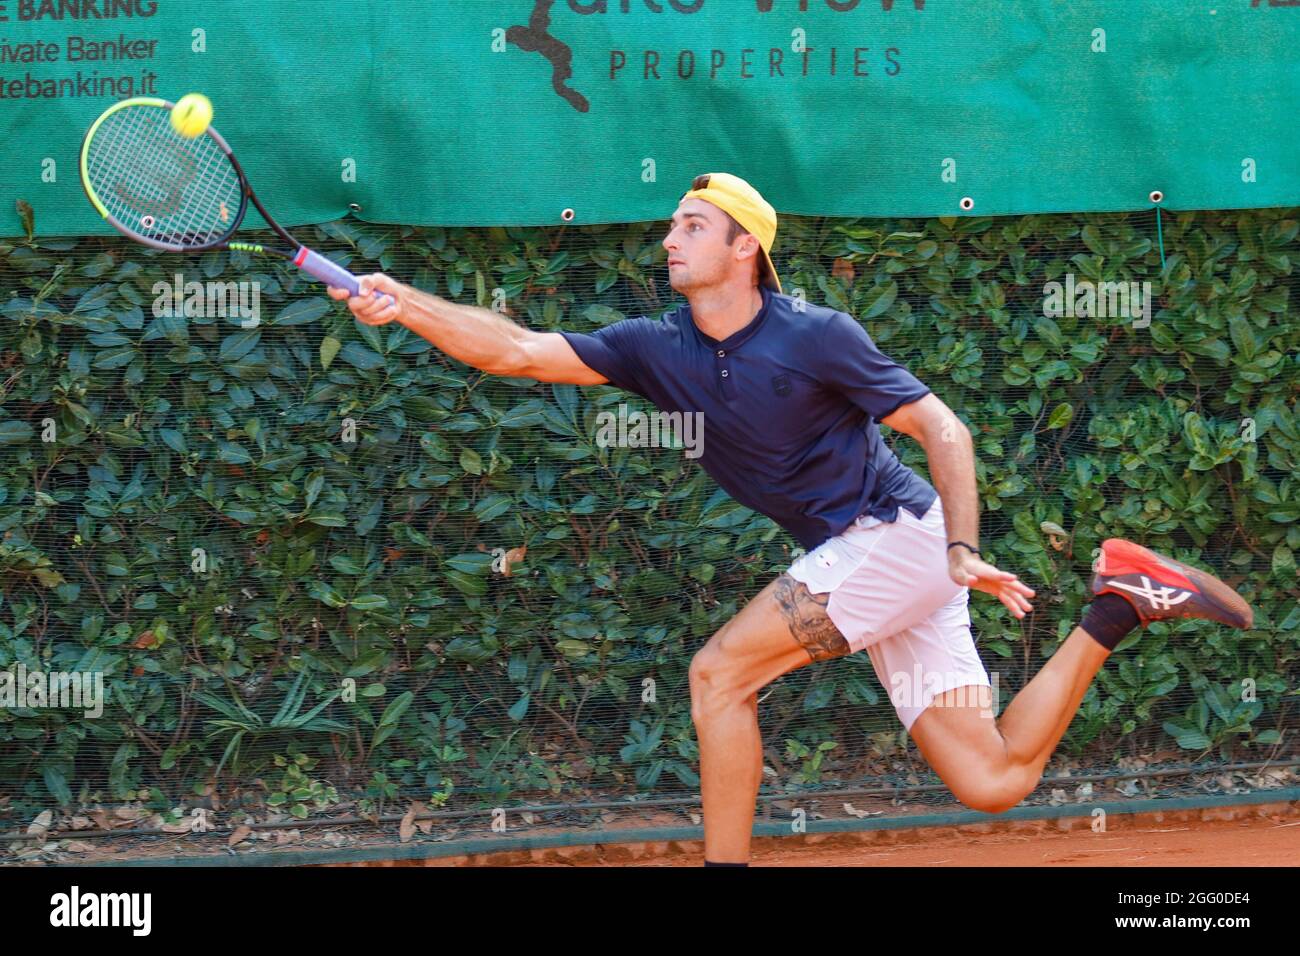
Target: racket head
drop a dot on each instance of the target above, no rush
(157, 187)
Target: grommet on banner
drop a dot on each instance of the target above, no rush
(354, 207)
(568, 215)
(967, 203)
(1157, 197)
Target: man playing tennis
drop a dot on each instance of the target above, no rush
(792, 395)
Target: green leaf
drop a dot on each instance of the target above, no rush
(819, 695)
(1197, 435)
(471, 562)
(115, 357)
(326, 595)
(173, 439)
(48, 577)
(370, 517)
(312, 488)
(1243, 337)
(471, 461)
(1188, 738)
(1049, 332)
(360, 357)
(493, 506)
(15, 432)
(520, 707)
(1061, 416)
(57, 784)
(302, 311)
(878, 299)
(233, 453)
(236, 346)
(169, 756)
(345, 565)
(529, 413)
(329, 347)
(466, 584)
(393, 712)
(96, 298)
(1214, 348)
(328, 519)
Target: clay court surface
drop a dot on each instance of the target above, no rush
(1265, 835)
(1238, 843)
(1246, 835)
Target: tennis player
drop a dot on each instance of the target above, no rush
(792, 396)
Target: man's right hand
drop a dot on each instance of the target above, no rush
(372, 309)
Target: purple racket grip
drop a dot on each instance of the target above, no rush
(331, 273)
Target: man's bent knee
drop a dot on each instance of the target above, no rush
(717, 682)
(707, 675)
(997, 791)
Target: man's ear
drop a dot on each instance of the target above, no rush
(743, 245)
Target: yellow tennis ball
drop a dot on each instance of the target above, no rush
(191, 115)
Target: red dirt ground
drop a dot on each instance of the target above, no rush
(1250, 835)
(1262, 835)
(1236, 843)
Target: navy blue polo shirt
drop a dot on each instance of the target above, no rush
(790, 405)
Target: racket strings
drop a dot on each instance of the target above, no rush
(168, 190)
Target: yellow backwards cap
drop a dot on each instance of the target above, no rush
(742, 201)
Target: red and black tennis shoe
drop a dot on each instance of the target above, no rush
(1161, 589)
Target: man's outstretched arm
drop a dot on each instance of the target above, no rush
(478, 337)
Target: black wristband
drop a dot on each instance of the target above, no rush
(974, 551)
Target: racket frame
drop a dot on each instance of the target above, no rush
(245, 192)
(310, 261)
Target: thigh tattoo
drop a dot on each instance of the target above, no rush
(806, 616)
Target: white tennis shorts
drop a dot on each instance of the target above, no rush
(891, 594)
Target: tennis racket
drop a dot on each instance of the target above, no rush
(177, 193)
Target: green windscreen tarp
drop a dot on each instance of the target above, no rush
(489, 112)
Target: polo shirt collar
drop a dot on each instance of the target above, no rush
(740, 336)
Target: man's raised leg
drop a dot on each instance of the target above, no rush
(992, 765)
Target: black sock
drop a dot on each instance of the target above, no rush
(1108, 619)
(711, 863)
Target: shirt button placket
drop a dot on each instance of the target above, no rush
(724, 374)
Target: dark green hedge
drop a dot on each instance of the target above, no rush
(374, 560)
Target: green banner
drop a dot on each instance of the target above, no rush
(493, 112)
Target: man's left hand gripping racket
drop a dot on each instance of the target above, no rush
(178, 193)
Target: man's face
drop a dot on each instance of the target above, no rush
(698, 253)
